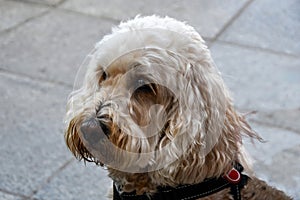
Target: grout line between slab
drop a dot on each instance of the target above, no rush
(49, 179)
(271, 125)
(6, 72)
(48, 7)
(25, 21)
(57, 7)
(59, 3)
(257, 48)
(232, 19)
(40, 3)
(13, 193)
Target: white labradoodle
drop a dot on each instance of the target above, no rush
(153, 109)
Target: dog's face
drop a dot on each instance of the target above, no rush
(133, 109)
(160, 108)
(143, 104)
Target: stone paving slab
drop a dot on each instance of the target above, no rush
(77, 182)
(287, 119)
(13, 13)
(274, 159)
(268, 24)
(259, 80)
(208, 16)
(4, 196)
(52, 46)
(32, 147)
(47, 2)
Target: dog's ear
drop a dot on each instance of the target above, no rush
(218, 102)
(237, 125)
(223, 125)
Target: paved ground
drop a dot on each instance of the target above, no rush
(255, 44)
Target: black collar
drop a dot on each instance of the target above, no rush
(234, 179)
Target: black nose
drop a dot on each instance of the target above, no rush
(93, 131)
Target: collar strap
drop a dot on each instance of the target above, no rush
(233, 179)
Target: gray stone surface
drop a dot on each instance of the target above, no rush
(282, 148)
(12, 13)
(47, 2)
(259, 80)
(41, 53)
(208, 16)
(270, 25)
(4, 196)
(288, 119)
(77, 182)
(53, 46)
(31, 140)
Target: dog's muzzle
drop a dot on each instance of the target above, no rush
(93, 131)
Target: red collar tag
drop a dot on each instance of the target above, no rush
(233, 176)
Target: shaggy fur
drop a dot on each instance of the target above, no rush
(176, 85)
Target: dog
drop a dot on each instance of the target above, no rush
(154, 110)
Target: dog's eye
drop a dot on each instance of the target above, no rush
(103, 77)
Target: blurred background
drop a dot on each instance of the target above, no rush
(255, 44)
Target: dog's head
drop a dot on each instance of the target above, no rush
(153, 108)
